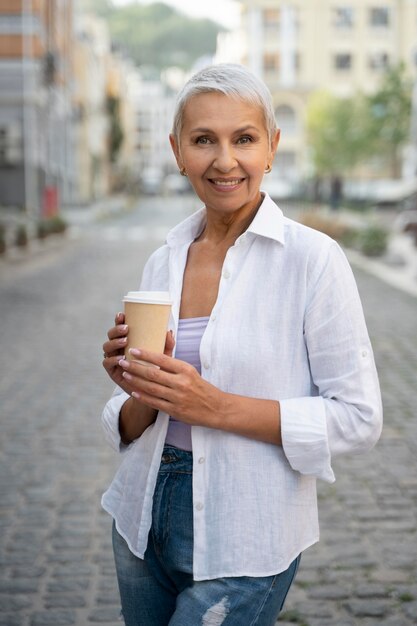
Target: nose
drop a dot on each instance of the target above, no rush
(225, 159)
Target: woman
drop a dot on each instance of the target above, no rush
(273, 375)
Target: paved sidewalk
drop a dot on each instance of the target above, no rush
(364, 570)
(56, 565)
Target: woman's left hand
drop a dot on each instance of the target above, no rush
(174, 387)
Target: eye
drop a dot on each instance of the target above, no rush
(245, 139)
(203, 140)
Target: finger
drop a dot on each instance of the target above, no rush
(119, 319)
(169, 343)
(114, 345)
(151, 379)
(146, 388)
(154, 402)
(163, 361)
(120, 330)
(112, 361)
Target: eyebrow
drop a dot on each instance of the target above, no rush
(244, 129)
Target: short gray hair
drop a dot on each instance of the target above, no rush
(231, 80)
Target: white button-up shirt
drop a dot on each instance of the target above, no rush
(287, 325)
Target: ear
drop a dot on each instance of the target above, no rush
(176, 150)
(274, 143)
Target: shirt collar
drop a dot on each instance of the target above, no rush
(268, 222)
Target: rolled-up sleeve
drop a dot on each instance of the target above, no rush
(110, 419)
(346, 414)
(155, 270)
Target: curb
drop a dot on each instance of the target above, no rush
(398, 278)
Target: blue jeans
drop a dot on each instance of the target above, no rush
(160, 590)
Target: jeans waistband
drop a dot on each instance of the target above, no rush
(176, 460)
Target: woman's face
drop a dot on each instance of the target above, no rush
(224, 148)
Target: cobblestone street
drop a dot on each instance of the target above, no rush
(56, 563)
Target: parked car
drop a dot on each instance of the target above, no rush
(176, 184)
(151, 181)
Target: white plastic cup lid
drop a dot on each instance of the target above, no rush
(148, 297)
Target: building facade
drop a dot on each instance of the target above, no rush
(340, 46)
(155, 104)
(36, 167)
(91, 54)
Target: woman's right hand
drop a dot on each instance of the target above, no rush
(134, 416)
(113, 350)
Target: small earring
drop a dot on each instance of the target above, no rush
(183, 172)
(268, 169)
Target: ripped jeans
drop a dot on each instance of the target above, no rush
(160, 590)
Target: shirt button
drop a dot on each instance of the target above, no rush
(206, 365)
(364, 353)
(226, 274)
(199, 506)
(213, 318)
(201, 460)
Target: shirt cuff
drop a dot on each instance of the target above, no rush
(110, 419)
(304, 437)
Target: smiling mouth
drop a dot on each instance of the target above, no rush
(226, 183)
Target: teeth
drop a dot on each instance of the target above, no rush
(227, 183)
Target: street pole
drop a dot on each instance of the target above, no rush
(413, 126)
(29, 122)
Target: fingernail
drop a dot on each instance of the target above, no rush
(127, 376)
(122, 340)
(123, 328)
(134, 352)
(123, 362)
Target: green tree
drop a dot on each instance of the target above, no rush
(156, 35)
(345, 132)
(103, 8)
(336, 133)
(389, 116)
(116, 135)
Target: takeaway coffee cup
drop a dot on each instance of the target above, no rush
(147, 315)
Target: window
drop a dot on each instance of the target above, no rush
(15, 24)
(286, 119)
(379, 17)
(343, 61)
(3, 145)
(343, 17)
(271, 19)
(285, 163)
(378, 61)
(10, 145)
(271, 62)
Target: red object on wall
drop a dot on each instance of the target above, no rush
(50, 201)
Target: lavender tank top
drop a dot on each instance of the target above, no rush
(190, 332)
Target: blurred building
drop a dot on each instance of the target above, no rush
(104, 110)
(300, 46)
(155, 103)
(91, 52)
(36, 168)
(122, 80)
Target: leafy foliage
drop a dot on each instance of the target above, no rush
(336, 131)
(344, 132)
(389, 115)
(116, 135)
(157, 35)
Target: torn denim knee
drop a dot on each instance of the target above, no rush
(215, 615)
